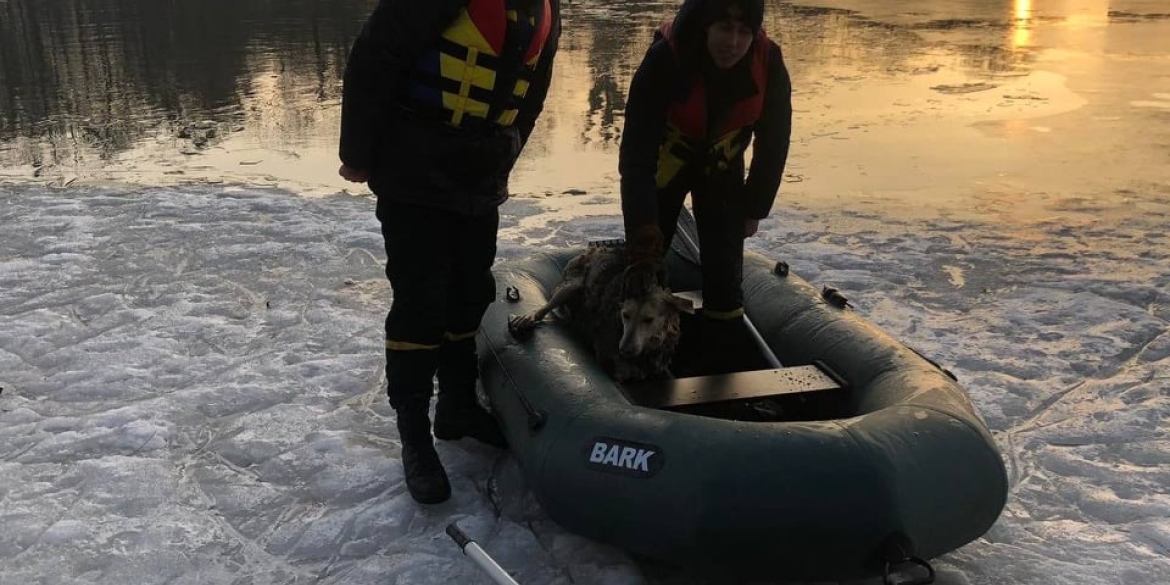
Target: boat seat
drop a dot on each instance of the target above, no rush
(736, 386)
(757, 384)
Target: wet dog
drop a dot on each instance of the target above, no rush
(630, 318)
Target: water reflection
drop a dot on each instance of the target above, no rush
(153, 88)
(85, 78)
(1021, 25)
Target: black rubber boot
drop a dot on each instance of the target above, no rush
(425, 477)
(458, 413)
(726, 346)
(410, 377)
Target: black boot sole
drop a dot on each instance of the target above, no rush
(430, 484)
(427, 498)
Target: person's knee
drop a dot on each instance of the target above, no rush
(465, 312)
(413, 322)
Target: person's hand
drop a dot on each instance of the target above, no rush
(353, 175)
(750, 227)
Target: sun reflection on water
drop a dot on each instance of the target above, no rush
(1021, 24)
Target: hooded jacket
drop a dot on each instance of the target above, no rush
(416, 155)
(665, 79)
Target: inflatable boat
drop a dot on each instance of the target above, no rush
(831, 451)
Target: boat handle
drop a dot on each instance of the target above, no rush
(536, 420)
(898, 552)
(905, 564)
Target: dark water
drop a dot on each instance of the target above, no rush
(85, 79)
(91, 78)
(143, 90)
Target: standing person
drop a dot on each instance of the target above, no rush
(439, 99)
(711, 82)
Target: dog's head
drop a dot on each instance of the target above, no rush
(649, 312)
(642, 278)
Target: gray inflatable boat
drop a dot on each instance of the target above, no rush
(857, 457)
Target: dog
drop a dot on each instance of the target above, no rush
(625, 311)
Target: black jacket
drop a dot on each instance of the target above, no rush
(663, 78)
(417, 160)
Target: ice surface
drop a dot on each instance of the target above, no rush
(193, 390)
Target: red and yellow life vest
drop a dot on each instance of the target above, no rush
(483, 64)
(688, 139)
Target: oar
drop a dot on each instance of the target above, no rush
(481, 558)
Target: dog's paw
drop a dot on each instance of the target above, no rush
(522, 326)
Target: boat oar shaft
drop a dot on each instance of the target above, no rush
(481, 558)
(763, 345)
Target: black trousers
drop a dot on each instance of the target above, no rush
(439, 266)
(720, 224)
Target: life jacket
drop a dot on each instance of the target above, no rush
(689, 141)
(482, 66)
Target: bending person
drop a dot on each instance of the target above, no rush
(710, 84)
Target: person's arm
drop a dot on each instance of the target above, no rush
(642, 135)
(395, 34)
(542, 78)
(772, 134)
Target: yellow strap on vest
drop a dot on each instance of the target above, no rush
(465, 87)
(677, 151)
(473, 76)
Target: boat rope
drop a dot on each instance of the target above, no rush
(946, 371)
(536, 417)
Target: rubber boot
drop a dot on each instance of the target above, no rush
(410, 378)
(458, 413)
(733, 346)
(425, 477)
(723, 340)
